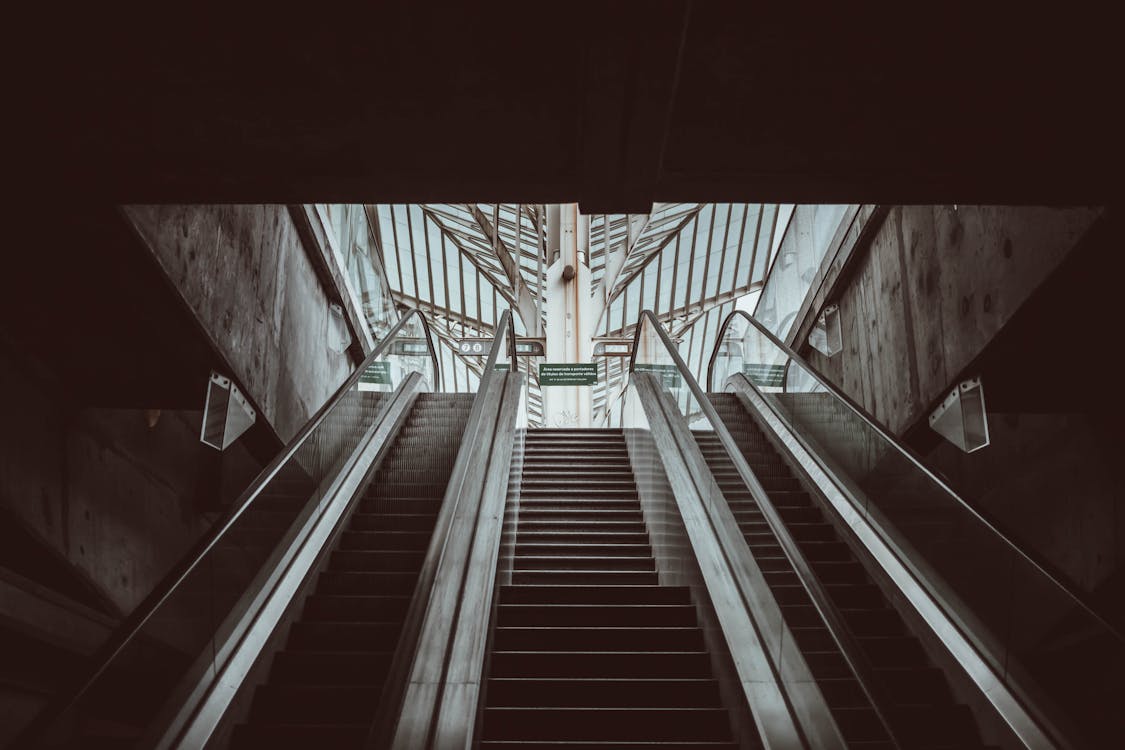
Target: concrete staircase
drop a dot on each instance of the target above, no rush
(589, 649)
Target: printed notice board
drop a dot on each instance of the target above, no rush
(770, 376)
(376, 374)
(570, 373)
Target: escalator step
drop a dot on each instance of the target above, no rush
(330, 667)
(382, 582)
(376, 560)
(293, 736)
(343, 636)
(324, 685)
(370, 608)
(314, 704)
(925, 713)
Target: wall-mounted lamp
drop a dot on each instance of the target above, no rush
(339, 337)
(226, 413)
(961, 419)
(826, 335)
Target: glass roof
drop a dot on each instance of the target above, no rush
(464, 264)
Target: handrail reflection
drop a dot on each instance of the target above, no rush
(906, 452)
(849, 648)
(132, 627)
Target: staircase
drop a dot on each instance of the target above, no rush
(589, 649)
(324, 686)
(925, 714)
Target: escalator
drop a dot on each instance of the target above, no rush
(325, 685)
(920, 623)
(282, 627)
(924, 711)
(418, 570)
(590, 650)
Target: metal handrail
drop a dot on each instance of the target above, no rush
(909, 454)
(135, 622)
(845, 640)
(390, 711)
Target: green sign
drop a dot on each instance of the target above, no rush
(377, 373)
(771, 376)
(501, 366)
(577, 373)
(669, 374)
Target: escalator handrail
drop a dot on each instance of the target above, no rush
(912, 457)
(845, 640)
(383, 727)
(131, 627)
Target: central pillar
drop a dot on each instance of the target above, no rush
(568, 312)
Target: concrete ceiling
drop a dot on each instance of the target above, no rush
(616, 105)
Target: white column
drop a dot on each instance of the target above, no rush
(569, 314)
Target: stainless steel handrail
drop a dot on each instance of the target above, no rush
(393, 708)
(844, 638)
(132, 626)
(909, 454)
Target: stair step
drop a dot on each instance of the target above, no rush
(589, 664)
(606, 745)
(575, 536)
(613, 526)
(607, 615)
(585, 577)
(672, 692)
(607, 724)
(539, 514)
(583, 562)
(611, 594)
(557, 638)
(619, 552)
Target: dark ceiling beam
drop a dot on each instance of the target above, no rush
(616, 105)
(630, 66)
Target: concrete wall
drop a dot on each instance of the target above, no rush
(107, 500)
(248, 279)
(123, 501)
(924, 302)
(115, 498)
(1050, 481)
(936, 285)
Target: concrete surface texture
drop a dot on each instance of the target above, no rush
(110, 495)
(924, 306)
(937, 284)
(250, 284)
(1049, 480)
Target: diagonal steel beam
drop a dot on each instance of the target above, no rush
(615, 261)
(652, 253)
(435, 310)
(524, 299)
(474, 258)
